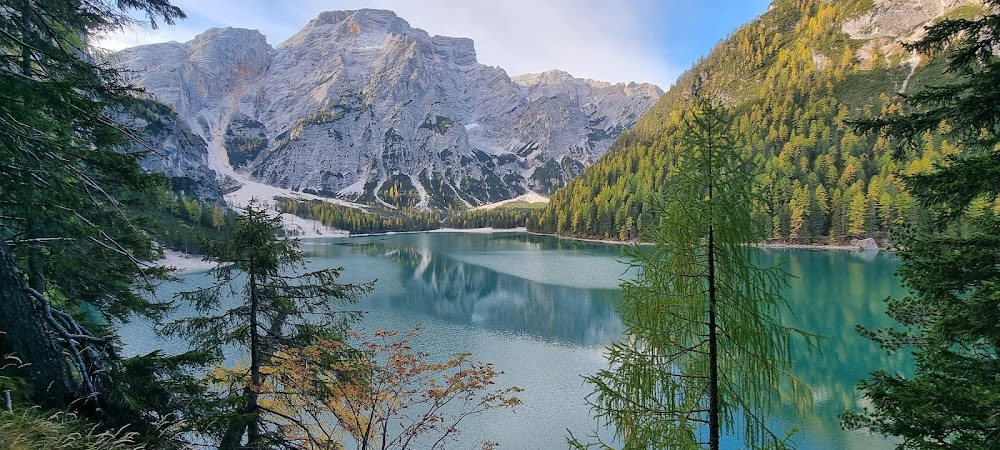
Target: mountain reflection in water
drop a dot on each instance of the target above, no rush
(502, 287)
(542, 310)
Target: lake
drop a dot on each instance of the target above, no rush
(542, 309)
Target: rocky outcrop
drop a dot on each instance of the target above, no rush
(891, 23)
(360, 105)
(901, 19)
(173, 150)
(198, 77)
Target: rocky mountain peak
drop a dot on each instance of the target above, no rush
(363, 28)
(548, 77)
(461, 51)
(329, 18)
(358, 20)
(240, 39)
(641, 89)
(236, 54)
(375, 29)
(360, 105)
(557, 77)
(201, 72)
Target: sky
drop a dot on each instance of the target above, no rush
(651, 41)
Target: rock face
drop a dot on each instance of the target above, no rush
(901, 19)
(361, 106)
(891, 23)
(179, 154)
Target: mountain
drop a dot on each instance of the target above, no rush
(361, 106)
(793, 78)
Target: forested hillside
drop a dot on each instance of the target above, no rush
(794, 79)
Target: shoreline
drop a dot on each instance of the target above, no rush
(763, 245)
(832, 247)
(487, 230)
(184, 263)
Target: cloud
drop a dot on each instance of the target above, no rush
(606, 40)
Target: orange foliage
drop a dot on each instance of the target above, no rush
(382, 394)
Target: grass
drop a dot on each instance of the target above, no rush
(33, 429)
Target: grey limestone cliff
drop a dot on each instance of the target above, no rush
(173, 150)
(359, 105)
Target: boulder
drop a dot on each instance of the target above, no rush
(867, 244)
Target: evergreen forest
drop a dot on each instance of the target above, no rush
(795, 82)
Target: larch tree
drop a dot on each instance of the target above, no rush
(705, 349)
(951, 318)
(263, 304)
(384, 395)
(68, 238)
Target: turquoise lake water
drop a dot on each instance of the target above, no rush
(542, 310)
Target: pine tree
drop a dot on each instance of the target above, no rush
(278, 309)
(952, 315)
(704, 339)
(68, 194)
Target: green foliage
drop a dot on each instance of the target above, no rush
(439, 125)
(399, 192)
(278, 308)
(181, 223)
(356, 221)
(67, 186)
(793, 80)
(359, 221)
(242, 149)
(704, 342)
(510, 215)
(71, 237)
(951, 319)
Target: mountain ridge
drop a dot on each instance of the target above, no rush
(360, 106)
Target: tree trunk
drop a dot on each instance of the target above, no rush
(232, 437)
(713, 349)
(36, 260)
(253, 428)
(234, 433)
(713, 335)
(25, 334)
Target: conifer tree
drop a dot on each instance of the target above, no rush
(68, 190)
(952, 315)
(705, 348)
(277, 309)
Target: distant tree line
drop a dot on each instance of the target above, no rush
(181, 222)
(380, 220)
(500, 217)
(361, 221)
